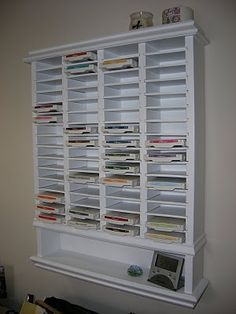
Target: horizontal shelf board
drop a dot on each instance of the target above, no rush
(121, 121)
(91, 264)
(81, 75)
(95, 135)
(123, 83)
(172, 134)
(122, 86)
(48, 124)
(93, 185)
(140, 242)
(52, 188)
(114, 274)
(117, 172)
(79, 62)
(52, 177)
(125, 195)
(86, 158)
(80, 149)
(123, 161)
(162, 80)
(166, 51)
(92, 84)
(162, 66)
(124, 98)
(80, 99)
(170, 174)
(108, 270)
(128, 211)
(85, 169)
(168, 64)
(54, 80)
(50, 61)
(123, 148)
(84, 77)
(52, 167)
(120, 72)
(168, 163)
(86, 194)
(166, 134)
(82, 123)
(82, 93)
(56, 91)
(49, 78)
(51, 156)
(45, 102)
(84, 101)
(50, 135)
(122, 109)
(83, 85)
(174, 199)
(183, 233)
(168, 211)
(50, 146)
(181, 107)
(49, 68)
(128, 134)
(165, 121)
(166, 94)
(58, 113)
(126, 207)
(87, 202)
(122, 56)
(177, 200)
(89, 111)
(178, 149)
(153, 188)
(86, 191)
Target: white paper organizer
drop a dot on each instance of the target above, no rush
(157, 93)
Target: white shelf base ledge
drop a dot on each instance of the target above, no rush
(114, 275)
(133, 241)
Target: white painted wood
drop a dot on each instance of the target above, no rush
(164, 97)
(150, 33)
(61, 264)
(190, 136)
(199, 86)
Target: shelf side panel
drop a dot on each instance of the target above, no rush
(199, 99)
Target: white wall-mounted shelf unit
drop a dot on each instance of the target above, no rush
(118, 128)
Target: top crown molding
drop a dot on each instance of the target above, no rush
(187, 28)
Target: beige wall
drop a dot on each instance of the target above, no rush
(34, 24)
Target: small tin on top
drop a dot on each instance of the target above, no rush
(140, 19)
(177, 14)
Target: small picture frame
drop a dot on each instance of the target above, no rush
(166, 270)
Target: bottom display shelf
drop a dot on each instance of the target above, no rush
(114, 275)
(106, 263)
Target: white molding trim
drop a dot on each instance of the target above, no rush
(156, 32)
(157, 293)
(133, 242)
